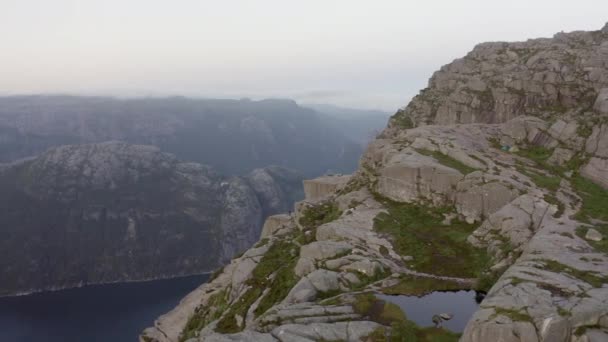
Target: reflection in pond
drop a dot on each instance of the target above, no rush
(420, 310)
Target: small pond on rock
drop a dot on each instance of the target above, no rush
(420, 310)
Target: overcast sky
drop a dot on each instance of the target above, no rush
(366, 54)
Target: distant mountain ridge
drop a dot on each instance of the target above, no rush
(234, 136)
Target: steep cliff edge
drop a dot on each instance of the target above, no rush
(85, 214)
(493, 178)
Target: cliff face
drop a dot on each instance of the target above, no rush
(493, 178)
(84, 214)
(496, 82)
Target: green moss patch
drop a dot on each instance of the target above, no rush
(417, 230)
(539, 154)
(274, 272)
(419, 286)
(204, 315)
(280, 259)
(592, 278)
(448, 161)
(514, 315)
(594, 199)
(401, 120)
(547, 181)
(319, 214)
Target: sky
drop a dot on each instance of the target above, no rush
(362, 54)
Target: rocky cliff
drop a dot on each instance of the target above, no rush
(84, 214)
(493, 179)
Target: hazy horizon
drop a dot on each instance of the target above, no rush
(344, 53)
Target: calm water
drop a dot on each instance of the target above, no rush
(104, 313)
(461, 304)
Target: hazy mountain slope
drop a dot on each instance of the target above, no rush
(359, 125)
(107, 212)
(232, 136)
(493, 179)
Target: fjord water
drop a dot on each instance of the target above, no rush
(110, 312)
(420, 310)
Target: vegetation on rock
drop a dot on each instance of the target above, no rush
(418, 230)
(448, 161)
(401, 329)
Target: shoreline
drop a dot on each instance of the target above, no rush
(82, 285)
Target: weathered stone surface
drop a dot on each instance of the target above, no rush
(245, 336)
(597, 143)
(308, 287)
(409, 177)
(343, 331)
(324, 249)
(561, 156)
(274, 223)
(512, 332)
(477, 202)
(521, 77)
(320, 187)
(601, 103)
(304, 266)
(597, 171)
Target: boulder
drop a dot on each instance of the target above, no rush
(307, 288)
(475, 202)
(597, 143)
(320, 187)
(601, 103)
(561, 156)
(593, 235)
(511, 332)
(320, 250)
(596, 170)
(410, 177)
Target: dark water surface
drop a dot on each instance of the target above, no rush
(461, 304)
(108, 313)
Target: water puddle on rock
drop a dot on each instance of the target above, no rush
(420, 310)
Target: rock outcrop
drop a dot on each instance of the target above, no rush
(322, 186)
(85, 214)
(491, 179)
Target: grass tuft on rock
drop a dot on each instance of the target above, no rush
(448, 161)
(594, 199)
(418, 230)
(410, 285)
(514, 315)
(316, 215)
(274, 272)
(204, 315)
(592, 278)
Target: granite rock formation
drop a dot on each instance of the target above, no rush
(493, 178)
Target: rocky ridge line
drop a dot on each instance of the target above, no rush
(500, 160)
